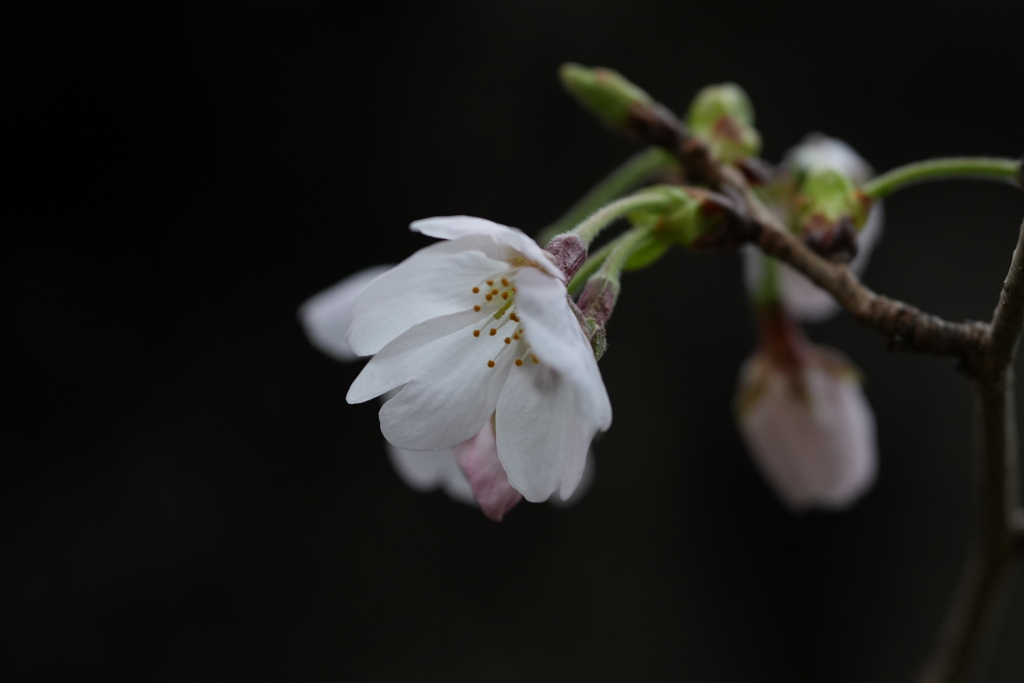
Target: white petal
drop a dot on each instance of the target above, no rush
(555, 336)
(804, 300)
(586, 481)
(453, 227)
(426, 471)
(327, 316)
(542, 432)
(478, 458)
(435, 281)
(451, 397)
(427, 345)
(815, 452)
(820, 152)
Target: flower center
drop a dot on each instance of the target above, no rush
(497, 301)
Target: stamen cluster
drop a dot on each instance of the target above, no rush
(499, 296)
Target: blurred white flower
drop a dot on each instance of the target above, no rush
(803, 299)
(807, 423)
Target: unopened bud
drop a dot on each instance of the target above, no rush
(569, 251)
(806, 420)
(621, 105)
(723, 116)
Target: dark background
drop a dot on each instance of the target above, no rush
(191, 499)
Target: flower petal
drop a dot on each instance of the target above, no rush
(543, 433)
(449, 399)
(478, 458)
(435, 281)
(818, 151)
(454, 227)
(327, 316)
(586, 481)
(426, 471)
(555, 336)
(427, 345)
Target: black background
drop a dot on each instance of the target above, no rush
(192, 499)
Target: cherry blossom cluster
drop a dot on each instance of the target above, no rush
(484, 346)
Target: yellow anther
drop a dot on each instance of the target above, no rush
(476, 308)
(508, 340)
(513, 317)
(489, 297)
(494, 291)
(516, 336)
(519, 362)
(476, 333)
(490, 363)
(490, 283)
(504, 282)
(504, 295)
(534, 358)
(476, 290)
(494, 331)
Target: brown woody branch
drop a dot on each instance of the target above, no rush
(904, 326)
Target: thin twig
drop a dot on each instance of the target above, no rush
(1008, 319)
(978, 602)
(976, 607)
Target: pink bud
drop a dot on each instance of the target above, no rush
(810, 429)
(805, 419)
(569, 251)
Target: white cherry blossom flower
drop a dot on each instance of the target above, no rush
(477, 326)
(808, 426)
(479, 330)
(803, 299)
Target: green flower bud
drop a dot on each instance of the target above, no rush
(621, 105)
(723, 116)
(606, 93)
